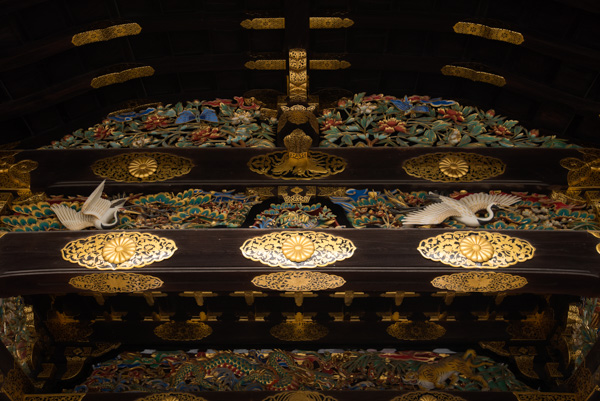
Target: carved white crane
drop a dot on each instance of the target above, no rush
(463, 210)
(95, 212)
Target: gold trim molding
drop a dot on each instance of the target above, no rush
(116, 282)
(118, 251)
(272, 249)
(479, 282)
(476, 249)
(54, 397)
(14, 175)
(330, 23)
(488, 32)
(473, 75)
(266, 65)
(427, 396)
(299, 396)
(263, 23)
(416, 331)
(454, 167)
(183, 331)
(122, 76)
(536, 396)
(142, 167)
(171, 397)
(101, 35)
(328, 64)
(298, 281)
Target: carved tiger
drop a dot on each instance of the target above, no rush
(430, 376)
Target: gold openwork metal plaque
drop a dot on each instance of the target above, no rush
(183, 331)
(142, 167)
(299, 396)
(427, 396)
(412, 331)
(116, 282)
(297, 249)
(298, 281)
(454, 167)
(118, 250)
(479, 282)
(585, 172)
(302, 166)
(171, 397)
(476, 249)
(299, 331)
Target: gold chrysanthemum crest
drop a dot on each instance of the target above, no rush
(118, 251)
(476, 249)
(298, 281)
(297, 249)
(142, 167)
(478, 281)
(454, 167)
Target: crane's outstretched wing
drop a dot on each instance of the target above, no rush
(72, 219)
(432, 214)
(95, 205)
(482, 200)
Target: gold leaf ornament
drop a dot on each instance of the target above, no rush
(416, 331)
(119, 250)
(298, 248)
(476, 248)
(298, 281)
(477, 281)
(143, 167)
(453, 166)
(116, 282)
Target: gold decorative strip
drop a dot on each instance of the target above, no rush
(266, 65)
(298, 281)
(299, 330)
(328, 64)
(298, 76)
(473, 75)
(183, 331)
(298, 249)
(454, 167)
(118, 250)
(427, 396)
(413, 331)
(101, 35)
(54, 397)
(583, 173)
(122, 76)
(171, 397)
(330, 23)
(476, 249)
(487, 32)
(263, 23)
(537, 396)
(116, 282)
(142, 167)
(479, 282)
(14, 175)
(299, 396)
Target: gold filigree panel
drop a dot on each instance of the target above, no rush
(142, 167)
(101, 35)
(116, 282)
(328, 64)
(488, 32)
(289, 166)
(299, 396)
(119, 250)
(298, 76)
(427, 396)
(171, 397)
(122, 76)
(537, 396)
(263, 23)
(299, 331)
(298, 281)
(454, 167)
(414, 331)
(266, 65)
(583, 173)
(14, 175)
(16, 384)
(330, 23)
(54, 397)
(473, 75)
(183, 331)
(476, 249)
(298, 249)
(479, 282)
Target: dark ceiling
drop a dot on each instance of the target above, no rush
(198, 50)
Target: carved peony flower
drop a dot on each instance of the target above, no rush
(142, 167)
(453, 166)
(298, 248)
(476, 248)
(119, 250)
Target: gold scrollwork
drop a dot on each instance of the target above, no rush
(263, 23)
(142, 167)
(14, 175)
(183, 331)
(298, 76)
(298, 281)
(537, 396)
(476, 249)
(116, 282)
(54, 397)
(328, 64)
(171, 397)
(326, 249)
(583, 173)
(412, 331)
(122, 76)
(263, 193)
(299, 330)
(330, 23)
(118, 251)
(297, 166)
(473, 75)
(299, 396)
(479, 282)
(69, 331)
(101, 35)
(16, 384)
(427, 396)
(454, 167)
(266, 65)
(536, 327)
(332, 191)
(487, 32)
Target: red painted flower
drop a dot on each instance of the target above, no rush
(491, 112)
(391, 125)
(154, 122)
(204, 134)
(330, 123)
(501, 130)
(102, 131)
(453, 115)
(534, 133)
(217, 102)
(247, 104)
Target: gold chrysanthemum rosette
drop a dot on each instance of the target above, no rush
(118, 250)
(297, 249)
(143, 166)
(454, 166)
(476, 249)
